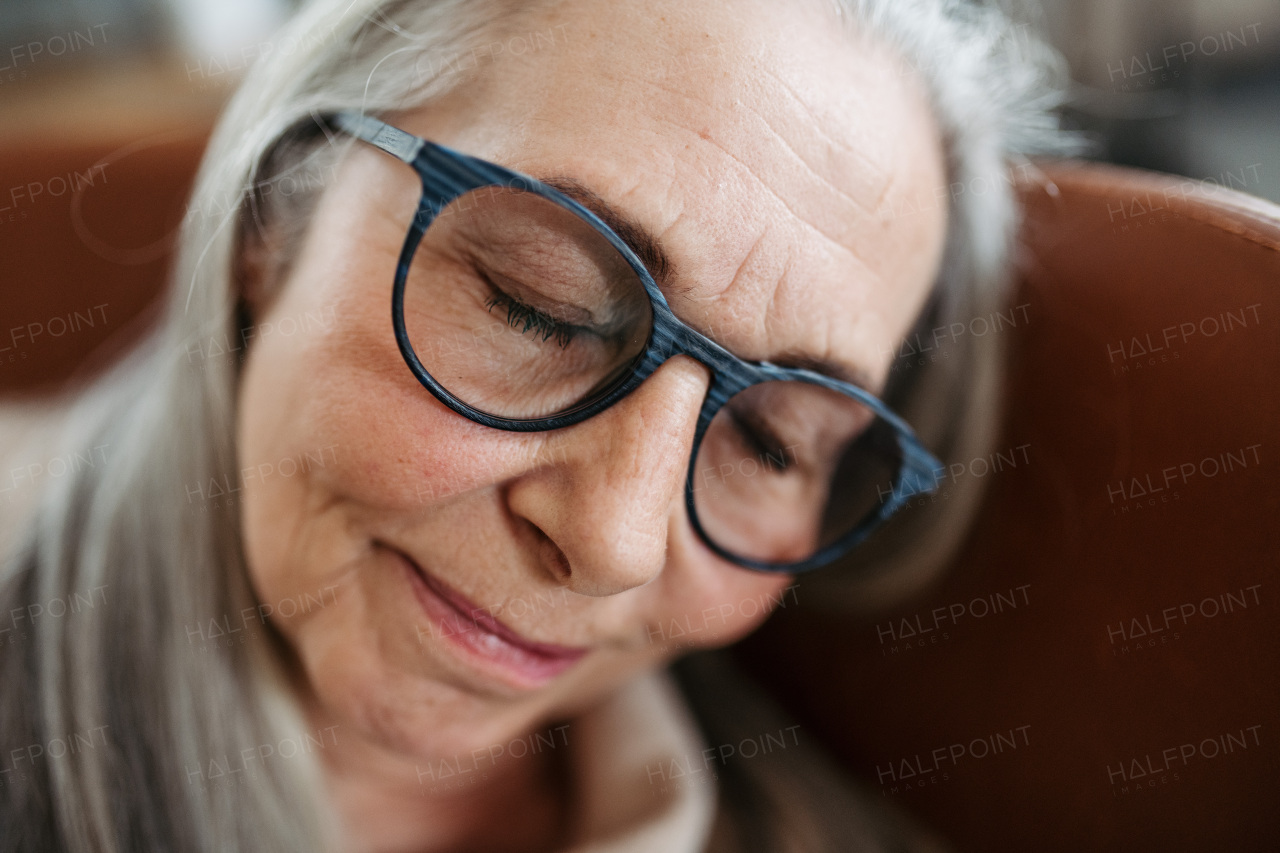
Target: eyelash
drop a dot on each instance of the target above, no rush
(527, 318)
(762, 441)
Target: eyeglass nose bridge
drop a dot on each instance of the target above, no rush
(671, 336)
(731, 374)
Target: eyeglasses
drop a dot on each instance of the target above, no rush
(520, 309)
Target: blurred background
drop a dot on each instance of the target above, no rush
(1185, 86)
(106, 105)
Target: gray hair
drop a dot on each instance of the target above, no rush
(994, 88)
(127, 670)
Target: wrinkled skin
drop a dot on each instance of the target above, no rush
(759, 144)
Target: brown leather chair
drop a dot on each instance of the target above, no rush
(86, 232)
(1099, 669)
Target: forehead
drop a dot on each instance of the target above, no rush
(759, 143)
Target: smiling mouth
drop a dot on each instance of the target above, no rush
(484, 641)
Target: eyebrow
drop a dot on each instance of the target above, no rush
(635, 235)
(655, 260)
(833, 369)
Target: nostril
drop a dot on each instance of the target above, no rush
(552, 557)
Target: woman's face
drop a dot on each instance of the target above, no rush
(760, 147)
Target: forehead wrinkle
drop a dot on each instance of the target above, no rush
(780, 332)
(861, 205)
(736, 309)
(744, 168)
(828, 306)
(685, 96)
(721, 105)
(833, 143)
(820, 221)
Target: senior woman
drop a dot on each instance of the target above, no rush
(648, 267)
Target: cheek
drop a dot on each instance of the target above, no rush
(336, 438)
(721, 611)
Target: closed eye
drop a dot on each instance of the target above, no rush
(762, 439)
(525, 318)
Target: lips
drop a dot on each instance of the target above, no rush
(482, 640)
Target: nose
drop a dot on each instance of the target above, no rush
(604, 510)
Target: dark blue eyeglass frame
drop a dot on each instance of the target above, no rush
(447, 174)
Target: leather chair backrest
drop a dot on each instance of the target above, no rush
(87, 229)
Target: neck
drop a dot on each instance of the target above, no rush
(384, 808)
(389, 802)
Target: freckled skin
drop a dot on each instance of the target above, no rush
(758, 144)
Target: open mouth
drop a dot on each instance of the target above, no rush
(484, 641)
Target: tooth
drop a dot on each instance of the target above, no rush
(491, 642)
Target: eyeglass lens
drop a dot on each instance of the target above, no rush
(521, 309)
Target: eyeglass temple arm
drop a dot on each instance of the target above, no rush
(397, 143)
(922, 468)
